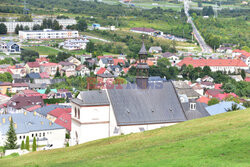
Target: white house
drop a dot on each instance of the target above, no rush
(48, 34)
(127, 109)
(74, 44)
(32, 125)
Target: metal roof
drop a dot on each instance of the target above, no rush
(95, 97)
(27, 123)
(46, 109)
(145, 106)
(199, 112)
(143, 50)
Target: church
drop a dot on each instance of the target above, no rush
(130, 108)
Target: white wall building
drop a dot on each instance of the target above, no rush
(30, 124)
(48, 34)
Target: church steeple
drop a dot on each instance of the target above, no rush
(142, 68)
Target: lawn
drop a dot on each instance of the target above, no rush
(43, 50)
(221, 140)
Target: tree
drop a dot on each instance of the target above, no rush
(81, 25)
(36, 27)
(243, 74)
(67, 145)
(55, 25)
(3, 28)
(90, 47)
(57, 73)
(8, 93)
(27, 143)
(26, 28)
(234, 107)
(163, 62)
(11, 137)
(47, 91)
(29, 55)
(34, 144)
(213, 101)
(22, 146)
(17, 29)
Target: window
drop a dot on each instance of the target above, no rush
(75, 112)
(36, 134)
(78, 113)
(20, 137)
(43, 134)
(40, 134)
(141, 129)
(192, 106)
(32, 135)
(23, 137)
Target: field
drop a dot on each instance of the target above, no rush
(43, 50)
(221, 140)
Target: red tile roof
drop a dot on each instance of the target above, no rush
(33, 64)
(49, 64)
(32, 108)
(213, 92)
(203, 99)
(64, 120)
(101, 70)
(247, 79)
(6, 84)
(41, 59)
(121, 61)
(224, 95)
(59, 111)
(217, 86)
(212, 62)
(44, 75)
(20, 85)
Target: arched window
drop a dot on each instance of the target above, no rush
(75, 112)
(78, 113)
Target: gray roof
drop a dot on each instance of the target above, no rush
(27, 123)
(194, 114)
(143, 50)
(146, 106)
(95, 97)
(37, 86)
(48, 81)
(46, 109)
(183, 88)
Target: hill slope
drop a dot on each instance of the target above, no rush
(222, 140)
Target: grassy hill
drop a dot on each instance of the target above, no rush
(222, 140)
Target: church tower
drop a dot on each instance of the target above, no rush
(142, 69)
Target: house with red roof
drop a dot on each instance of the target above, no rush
(213, 92)
(227, 65)
(247, 79)
(17, 70)
(102, 70)
(61, 116)
(42, 60)
(32, 67)
(119, 61)
(44, 75)
(222, 96)
(50, 68)
(143, 30)
(31, 93)
(203, 99)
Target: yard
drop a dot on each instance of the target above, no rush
(43, 50)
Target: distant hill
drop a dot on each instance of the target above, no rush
(221, 140)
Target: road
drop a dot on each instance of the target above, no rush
(205, 48)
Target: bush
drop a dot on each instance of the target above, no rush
(22, 146)
(67, 136)
(213, 101)
(34, 144)
(27, 144)
(54, 101)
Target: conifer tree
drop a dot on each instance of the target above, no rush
(34, 144)
(11, 137)
(22, 146)
(27, 144)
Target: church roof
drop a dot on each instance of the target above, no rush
(143, 50)
(146, 106)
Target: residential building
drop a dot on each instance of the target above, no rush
(183, 88)
(74, 44)
(73, 60)
(17, 87)
(227, 65)
(48, 34)
(31, 125)
(18, 69)
(32, 67)
(82, 70)
(5, 86)
(155, 49)
(50, 68)
(13, 47)
(172, 57)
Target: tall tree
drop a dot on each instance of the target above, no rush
(243, 74)
(81, 25)
(17, 29)
(22, 145)
(3, 28)
(11, 137)
(27, 144)
(34, 144)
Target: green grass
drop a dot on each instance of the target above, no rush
(43, 50)
(221, 140)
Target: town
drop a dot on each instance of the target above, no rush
(67, 81)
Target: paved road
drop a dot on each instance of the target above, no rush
(205, 48)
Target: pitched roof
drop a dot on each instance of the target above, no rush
(33, 75)
(203, 99)
(59, 111)
(199, 112)
(121, 61)
(65, 63)
(46, 109)
(221, 107)
(20, 85)
(33, 64)
(19, 102)
(49, 64)
(212, 62)
(64, 120)
(213, 92)
(143, 50)
(44, 75)
(101, 70)
(95, 97)
(145, 106)
(27, 123)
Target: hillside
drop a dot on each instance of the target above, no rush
(222, 140)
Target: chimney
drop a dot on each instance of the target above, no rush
(3, 120)
(15, 125)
